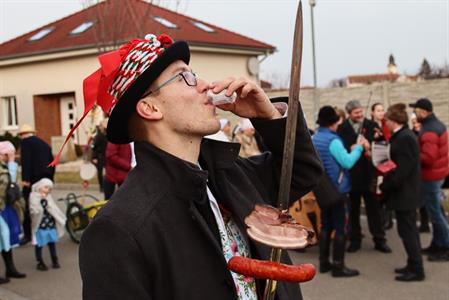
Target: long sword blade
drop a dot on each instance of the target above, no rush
(290, 137)
(293, 106)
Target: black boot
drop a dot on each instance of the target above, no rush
(11, 271)
(4, 280)
(354, 246)
(324, 244)
(339, 269)
(41, 266)
(55, 262)
(431, 249)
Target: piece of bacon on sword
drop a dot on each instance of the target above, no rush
(271, 226)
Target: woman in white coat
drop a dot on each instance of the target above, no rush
(47, 222)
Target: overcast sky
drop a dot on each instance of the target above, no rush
(353, 37)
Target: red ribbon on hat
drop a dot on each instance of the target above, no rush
(96, 85)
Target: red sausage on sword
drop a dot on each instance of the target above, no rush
(263, 269)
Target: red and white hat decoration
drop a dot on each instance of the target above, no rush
(118, 70)
(136, 62)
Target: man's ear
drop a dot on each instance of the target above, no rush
(148, 110)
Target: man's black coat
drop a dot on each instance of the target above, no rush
(35, 155)
(151, 241)
(402, 186)
(362, 172)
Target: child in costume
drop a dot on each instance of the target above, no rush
(47, 222)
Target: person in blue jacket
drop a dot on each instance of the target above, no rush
(336, 161)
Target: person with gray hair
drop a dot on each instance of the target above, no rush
(352, 104)
(361, 177)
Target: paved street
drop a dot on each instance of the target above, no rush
(377, 275)
(376, 281)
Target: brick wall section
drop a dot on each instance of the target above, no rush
(388, 93)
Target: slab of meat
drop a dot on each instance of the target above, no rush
(272, 227)
(262, 269)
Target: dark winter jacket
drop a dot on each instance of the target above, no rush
(362, 173)
(35, 156)
(433, 142)
(401, 187)
(118, 162)
(99, 148)
(152, 242)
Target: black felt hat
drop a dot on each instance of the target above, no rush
(327, 116)
(117, 130)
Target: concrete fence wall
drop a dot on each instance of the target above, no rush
(388, 93)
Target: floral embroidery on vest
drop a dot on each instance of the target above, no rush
(234, 244)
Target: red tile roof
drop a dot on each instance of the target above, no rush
(121, 21)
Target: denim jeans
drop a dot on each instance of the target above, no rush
(431, 193)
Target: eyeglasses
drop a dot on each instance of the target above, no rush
(188, 76)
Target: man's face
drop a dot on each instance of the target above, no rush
(420, 113)
(186, 109)
(356, 115)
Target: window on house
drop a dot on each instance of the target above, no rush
(81, 28)
(10, 111)
(165, 22)
(41, 34)
(203, 26)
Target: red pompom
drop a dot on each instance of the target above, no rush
(165, 40)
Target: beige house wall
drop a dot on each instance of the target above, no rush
(388, 93)
(211, 66)
(66, 75)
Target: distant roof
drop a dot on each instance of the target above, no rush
(119, 21)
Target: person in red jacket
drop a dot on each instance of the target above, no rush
(433, 141)
(118, 164)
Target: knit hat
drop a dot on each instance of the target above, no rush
(122, 79)
(327, 116)
(6, 147)
(40, 184)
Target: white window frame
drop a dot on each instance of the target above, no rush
(165, 22)
(41, 34)
(82, 28)
(203, 27)
(9, 109)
